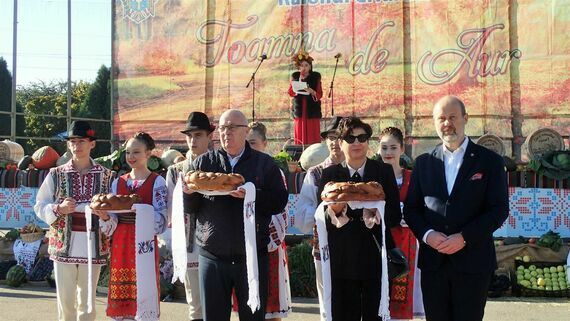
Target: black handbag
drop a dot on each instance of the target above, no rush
(397, 262)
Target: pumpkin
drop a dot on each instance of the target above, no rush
(45, 158)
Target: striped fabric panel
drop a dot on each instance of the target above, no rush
(295, 182)
(9, 178)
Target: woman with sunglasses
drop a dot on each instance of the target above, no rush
(406, 298)
(354, 254)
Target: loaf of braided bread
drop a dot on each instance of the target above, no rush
(349, 191)
(209, 181)
(110, 202)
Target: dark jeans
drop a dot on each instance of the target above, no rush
(451, 295)
(218, 278)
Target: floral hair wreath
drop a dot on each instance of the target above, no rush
(302, 56)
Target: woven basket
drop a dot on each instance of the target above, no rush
(31, 237)
(519, 290)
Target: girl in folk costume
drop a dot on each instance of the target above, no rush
(129, 275)
(406, 298)
(306, 105)
(278, 292)
(60, 202)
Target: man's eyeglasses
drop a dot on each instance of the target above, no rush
(362, 138)
(230, 128)
(332, 138)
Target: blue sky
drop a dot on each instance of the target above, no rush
(42, 38)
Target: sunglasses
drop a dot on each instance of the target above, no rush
(362, 138)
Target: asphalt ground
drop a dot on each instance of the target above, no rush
(36, 302)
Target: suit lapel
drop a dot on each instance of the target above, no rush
(469, 159)
(343, 175)
(370, 171)
(439, 170)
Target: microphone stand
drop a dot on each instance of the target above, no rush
(252, 81)
(331, 88)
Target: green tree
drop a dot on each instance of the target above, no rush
(5, 96)
(5, 86)
(97, 103)
(41, 99)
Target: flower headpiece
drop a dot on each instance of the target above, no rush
(302, 56)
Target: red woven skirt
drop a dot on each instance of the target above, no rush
(122, 296)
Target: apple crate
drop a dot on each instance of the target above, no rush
(520, 290)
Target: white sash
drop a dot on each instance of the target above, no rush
(179, 256)
(88, 223)
(145, 248)
(325, 306)
(253, 300)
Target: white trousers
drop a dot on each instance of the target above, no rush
(319, 279)
(192, 287)
(71, 282)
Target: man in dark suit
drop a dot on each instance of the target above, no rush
(457, 198)
(354, 253)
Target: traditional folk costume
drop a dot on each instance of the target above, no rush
(406, 295)
(191, 280)
(306, 108)
(196, 121)
(124, 277)
(68, 234)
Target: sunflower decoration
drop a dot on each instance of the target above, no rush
(302, 56)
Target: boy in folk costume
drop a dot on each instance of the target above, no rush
(61, 203)
(198, 133)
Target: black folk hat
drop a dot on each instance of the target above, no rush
(333, 125)
(80, 129)
(198, 121)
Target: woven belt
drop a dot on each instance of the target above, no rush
(127, 218)
(78, 222)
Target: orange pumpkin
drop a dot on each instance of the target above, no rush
(45, 157)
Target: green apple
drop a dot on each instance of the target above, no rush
(527, 276)
(520, 268)
(520, 277)
(553, 269)
(539, 271)
(548, 288)
(533, 273)
(518, 258)
(541, 282)
(560, 268)
(532, 267)
(526, 258)
(546, 275)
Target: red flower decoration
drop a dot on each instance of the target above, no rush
(90, 133)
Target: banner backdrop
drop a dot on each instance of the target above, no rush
(508, 60)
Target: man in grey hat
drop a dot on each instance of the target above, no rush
(198, 133)
(308, 198)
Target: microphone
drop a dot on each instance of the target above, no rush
(263, 57)
(338, 55)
